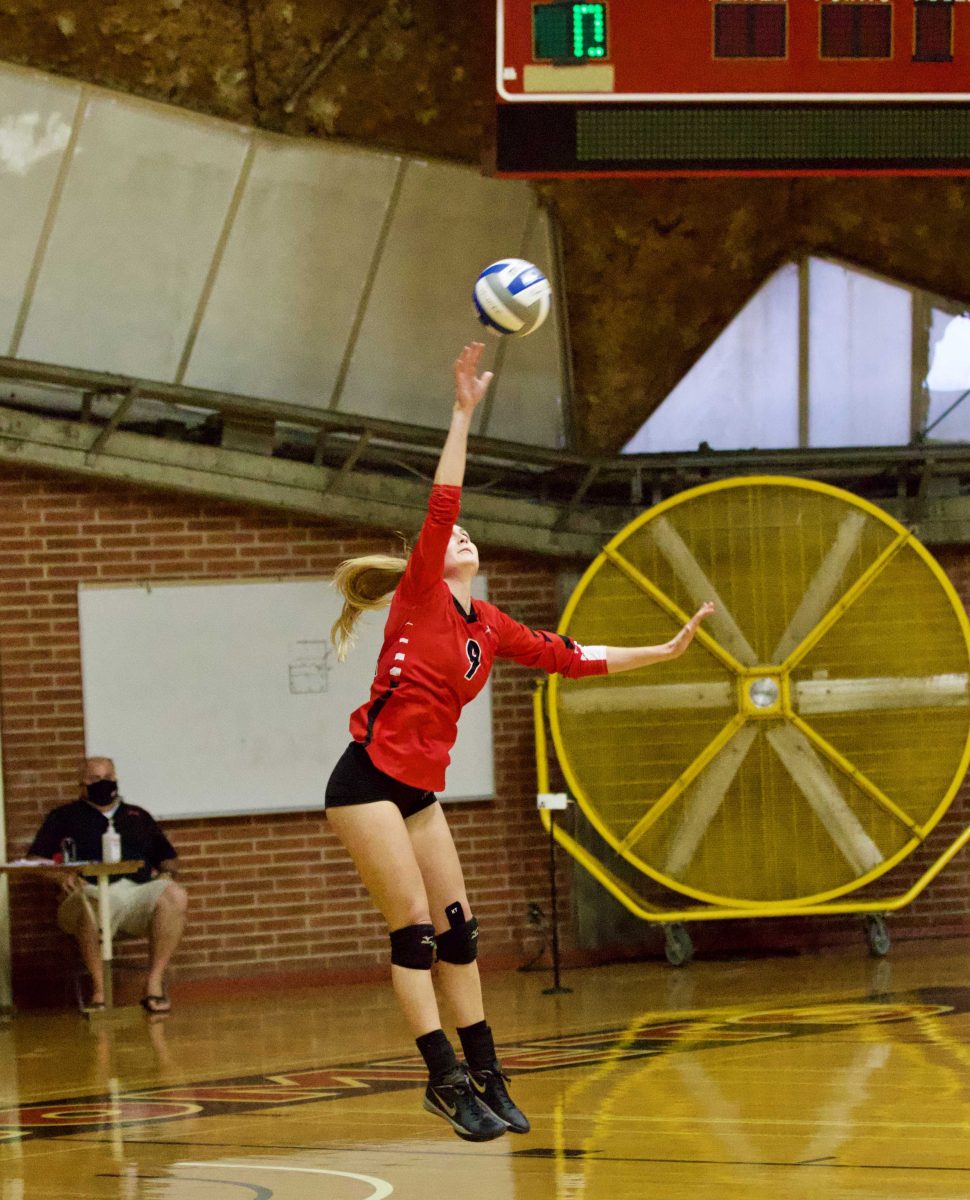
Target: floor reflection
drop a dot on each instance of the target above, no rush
(825, 1077)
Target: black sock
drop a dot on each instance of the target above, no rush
(478, 1045)
(437, 1052)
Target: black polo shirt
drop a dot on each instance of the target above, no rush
(140, 835)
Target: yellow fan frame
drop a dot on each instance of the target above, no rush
(610, 553)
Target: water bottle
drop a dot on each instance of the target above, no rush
(110, 844)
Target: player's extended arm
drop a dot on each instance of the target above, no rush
(470, 389)
(427, 558)
(628, 658)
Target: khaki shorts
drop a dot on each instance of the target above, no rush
(132, 906)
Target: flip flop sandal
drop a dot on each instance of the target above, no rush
(153, 1005)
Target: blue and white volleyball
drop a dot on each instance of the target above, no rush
(512, 297)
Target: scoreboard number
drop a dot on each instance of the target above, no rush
(568, 33)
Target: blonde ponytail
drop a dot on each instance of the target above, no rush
(365, 583)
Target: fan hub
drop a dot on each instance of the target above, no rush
(762, 694)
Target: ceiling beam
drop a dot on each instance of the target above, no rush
(349, 497)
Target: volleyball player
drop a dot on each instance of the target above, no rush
(438, 649)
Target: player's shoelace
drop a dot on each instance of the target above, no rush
(489, 1087)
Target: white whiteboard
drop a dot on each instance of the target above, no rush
(223, 698)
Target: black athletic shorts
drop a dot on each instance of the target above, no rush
(355, 780)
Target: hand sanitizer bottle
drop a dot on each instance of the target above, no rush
(110, 844)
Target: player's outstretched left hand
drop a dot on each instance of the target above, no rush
(682, 640)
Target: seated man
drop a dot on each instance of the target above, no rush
(148, 902)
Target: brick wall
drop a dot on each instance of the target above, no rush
(313, 916)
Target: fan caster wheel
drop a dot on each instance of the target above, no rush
(678, 947)
(877, 935)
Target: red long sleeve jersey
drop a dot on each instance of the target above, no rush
(436, 658)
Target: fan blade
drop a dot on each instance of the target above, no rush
(704, 800)
(821, 591)
(690, 573)
(827, 802)
(870, 695)
(648, 696)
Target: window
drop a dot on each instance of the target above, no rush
(857, 30)
(823, 355)
(743, 391)
(749, 30)
(947, 416)
(860, 354)
(933, 41)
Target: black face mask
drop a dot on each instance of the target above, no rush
(102, 792)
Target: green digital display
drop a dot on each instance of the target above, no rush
(568, 32)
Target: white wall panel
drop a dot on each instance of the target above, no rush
(144, 202)
(450, 223)
(35, 126)
(179, 249)
(293, 272)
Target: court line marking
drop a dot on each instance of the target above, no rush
(260, 1192)
(593, 1156)
(812, 1164)
(381, 1187)
(298, 1147)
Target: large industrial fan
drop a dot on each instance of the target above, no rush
(811, 737)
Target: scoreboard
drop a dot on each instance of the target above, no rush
(711, 87)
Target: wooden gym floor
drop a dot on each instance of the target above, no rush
(816, 1078)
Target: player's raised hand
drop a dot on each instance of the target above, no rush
(470, 387)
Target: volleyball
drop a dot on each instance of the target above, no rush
(512, 297)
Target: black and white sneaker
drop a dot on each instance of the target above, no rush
(454, 1098)
(490, 1089)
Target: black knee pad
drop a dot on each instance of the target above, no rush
(413, 946)
(459, 944)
